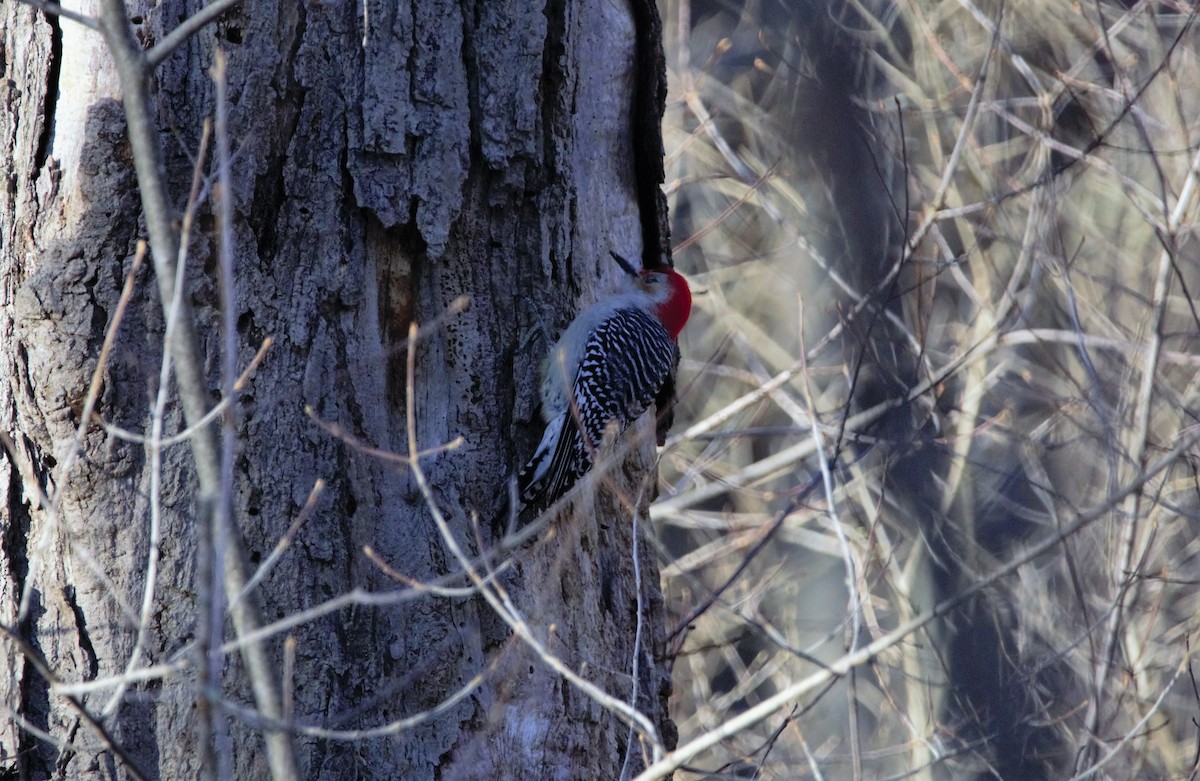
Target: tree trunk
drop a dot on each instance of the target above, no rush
(387, 161)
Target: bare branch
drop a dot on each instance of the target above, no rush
(90, 22)
(187, 28)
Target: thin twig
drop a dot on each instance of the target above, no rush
(336, 431)
(392, 728)
(281, 547)
(852, 588)
(637, 631)
(223, 543)
(213, 414)
(186, 29)
(90, 22)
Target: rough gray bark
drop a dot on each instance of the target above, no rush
(388, 161)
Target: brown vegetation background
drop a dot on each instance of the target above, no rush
(941, 392)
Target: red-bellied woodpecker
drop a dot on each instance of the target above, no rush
(616, 357)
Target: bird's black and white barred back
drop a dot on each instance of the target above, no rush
(622, 384)
(628, 362)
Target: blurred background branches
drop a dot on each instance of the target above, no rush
(947, 250)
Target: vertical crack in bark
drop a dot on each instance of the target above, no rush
(81, 630)
(33, 756)
(15, 541)
(16, 534)
(649, 102)
(470, 63)
(556, 113)
(53, 72)
(269, 196)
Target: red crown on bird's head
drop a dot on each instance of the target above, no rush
(674, 312)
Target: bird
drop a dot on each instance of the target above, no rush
(616, 358)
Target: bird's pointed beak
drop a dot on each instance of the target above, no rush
(625, 265)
